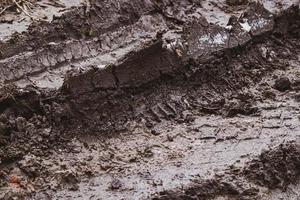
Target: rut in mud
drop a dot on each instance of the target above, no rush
(148, 100)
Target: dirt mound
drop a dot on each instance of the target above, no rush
(275, 168)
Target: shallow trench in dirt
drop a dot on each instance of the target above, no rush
(153, 100)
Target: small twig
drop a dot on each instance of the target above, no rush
(20, 7)
(4, 9)
(28, 2)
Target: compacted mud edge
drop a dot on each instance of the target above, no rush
(103, 99)
(153, 61)
(111, 92)
(85, 33)
(275, 168)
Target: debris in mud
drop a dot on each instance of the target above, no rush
(70, 180)
(282, 84)
(115, 184)
(155, 132)
(16, 6)
(236, 2)
(276, 168)
(234, 108)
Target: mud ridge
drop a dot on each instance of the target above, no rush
(274, 168)
(118, 67)
(106, 100)
(164, 69)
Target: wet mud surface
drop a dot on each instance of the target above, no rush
(153, 100)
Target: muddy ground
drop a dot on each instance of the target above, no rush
(146, 99)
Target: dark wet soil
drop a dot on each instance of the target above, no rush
(153, 100)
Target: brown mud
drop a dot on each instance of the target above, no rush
(153, 100)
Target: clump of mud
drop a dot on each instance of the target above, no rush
(211, 189)
(236, 2)
(276, 168)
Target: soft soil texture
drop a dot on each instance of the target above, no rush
(153, 100)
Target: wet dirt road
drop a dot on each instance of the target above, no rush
(153, 100)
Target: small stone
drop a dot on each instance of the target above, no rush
(70, 178)
(236, 2)
(155, 132)
(89, 158)
(21, 123)
(170, 138)
(148, 153)
(282, 84)
(157, 182)
(2, 128)
(115, 184)
(149, 124)
(3, 118)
